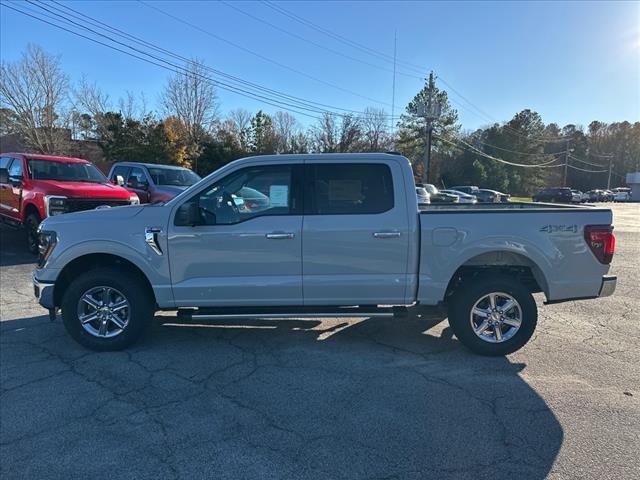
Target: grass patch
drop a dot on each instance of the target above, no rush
(521, 199)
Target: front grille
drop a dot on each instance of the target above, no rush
(79, 204)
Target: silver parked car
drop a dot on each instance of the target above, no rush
(462, 197)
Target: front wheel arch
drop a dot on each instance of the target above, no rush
(94, 261)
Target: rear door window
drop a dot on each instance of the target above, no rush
(348, 189)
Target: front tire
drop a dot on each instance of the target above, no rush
(31, 225)
(106, 310)
(493, 315)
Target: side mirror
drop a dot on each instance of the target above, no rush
(4, 175)
(188, 215)
(120, 180)
(133, 183)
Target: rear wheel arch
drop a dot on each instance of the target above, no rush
(500, 262)
(93, 261)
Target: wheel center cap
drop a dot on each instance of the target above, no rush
(495, 316)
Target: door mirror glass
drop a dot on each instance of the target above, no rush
(4, 175)
(188, 215)
(119, 180)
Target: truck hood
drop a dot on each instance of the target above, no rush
(82, 189)
(169, 190)
(98, 216)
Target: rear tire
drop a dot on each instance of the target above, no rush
(31, 225)
(475, 322)
(121, 303)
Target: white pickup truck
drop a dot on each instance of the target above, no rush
(319, 235)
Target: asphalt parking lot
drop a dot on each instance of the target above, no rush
(330, 399)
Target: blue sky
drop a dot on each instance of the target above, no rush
(573, 62)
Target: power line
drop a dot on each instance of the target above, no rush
(525, 165)
(379, 55)
(472, 149)
(514, 151)
(167, 65)
(340, 38)
(587, 163)
(583, 170)
(293, 107)
(138, 40)
(316, 44)
(258, 55)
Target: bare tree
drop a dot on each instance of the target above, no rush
(35, 88)
(241, 125)
(325, 134)
(132, 108)
(375, 130)
(88, 97)
(285, 127)
(191, 98)
(350, 134)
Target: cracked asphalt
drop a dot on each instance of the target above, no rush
(324, 399)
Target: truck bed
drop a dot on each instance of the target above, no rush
(549, 241)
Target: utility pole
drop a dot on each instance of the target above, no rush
(609, 177)
(430, 111)
(566, 164)
(393, 96)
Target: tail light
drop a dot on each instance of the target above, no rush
(601, 241)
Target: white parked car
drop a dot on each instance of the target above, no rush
(463, 197)
(423, 196)
(576, 196)
(621, 194)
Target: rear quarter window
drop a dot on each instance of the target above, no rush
(348, 189)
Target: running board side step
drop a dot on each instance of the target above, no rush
(230, 313)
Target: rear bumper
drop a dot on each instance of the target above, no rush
(43, 292)
(607, 287)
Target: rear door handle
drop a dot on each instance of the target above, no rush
(280, 236)
(386, 234)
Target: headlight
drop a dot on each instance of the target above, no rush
(134, 200)
(55, 204)
(46, 243)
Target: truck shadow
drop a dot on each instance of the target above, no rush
(354, 398)
(13, 250)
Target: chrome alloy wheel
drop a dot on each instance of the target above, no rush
(496, 317)
(103, 312)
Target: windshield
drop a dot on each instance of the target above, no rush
(173, 176)
(431, 189)
(65, 171)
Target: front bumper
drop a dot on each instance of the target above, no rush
(608, 285)
(43, 292)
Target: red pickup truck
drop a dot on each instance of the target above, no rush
(33, 187)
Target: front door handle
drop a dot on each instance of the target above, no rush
(386, 234)
(280, 236)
